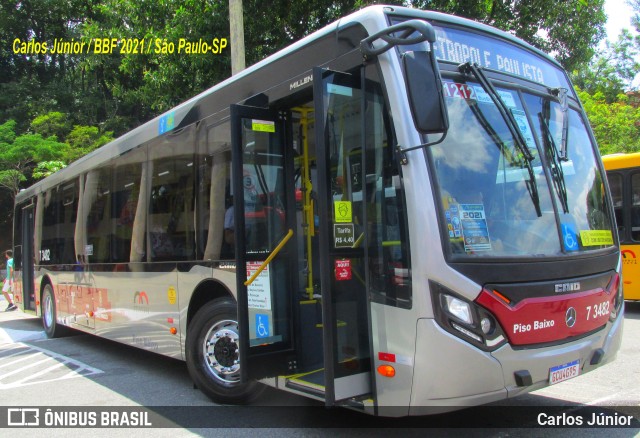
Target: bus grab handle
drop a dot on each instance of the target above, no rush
(274, 253)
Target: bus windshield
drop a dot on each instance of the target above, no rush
(498, 200)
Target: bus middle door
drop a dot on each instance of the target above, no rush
(264, 216)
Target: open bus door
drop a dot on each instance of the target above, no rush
(27, 258)
(264, 220)
(339, 118)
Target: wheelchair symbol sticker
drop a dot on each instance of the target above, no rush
(570, 238)
(262, 325)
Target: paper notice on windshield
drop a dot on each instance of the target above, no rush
(523, 125)
(483, 97)
(475, 231)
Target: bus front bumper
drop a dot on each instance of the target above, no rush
(451, 374)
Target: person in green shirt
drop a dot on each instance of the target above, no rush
(8, 281)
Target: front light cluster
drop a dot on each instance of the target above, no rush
(615, 287)
(465, 319)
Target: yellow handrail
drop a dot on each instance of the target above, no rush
(274, 253)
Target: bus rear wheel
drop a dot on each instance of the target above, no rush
(50, 314)
(213, 354)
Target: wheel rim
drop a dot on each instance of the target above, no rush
(48, 310)
(221, 351)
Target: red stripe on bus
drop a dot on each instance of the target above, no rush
(549, 319)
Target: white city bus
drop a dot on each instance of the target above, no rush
(404, 212)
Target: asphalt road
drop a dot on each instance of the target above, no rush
(96, 375)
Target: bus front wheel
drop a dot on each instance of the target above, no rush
(212, 353)
(49, 314)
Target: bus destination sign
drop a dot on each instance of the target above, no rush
(454, 45)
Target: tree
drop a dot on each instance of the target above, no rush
(47, 168)
(51, 124)
(612, 69)
(11, 180)
(569, 30)
(20, 154)
(84, 139)
(32, 82)
(616, 125)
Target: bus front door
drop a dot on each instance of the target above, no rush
(340, 140)
(263, 195)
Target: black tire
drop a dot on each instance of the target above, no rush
(50, 314)
(212, 353)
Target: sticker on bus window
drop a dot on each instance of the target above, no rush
(570, 238)
(523, 125)
(342, 211)
(262, 325)
(477, 93)
(456, 90)
(342, 270)
(166, 123)
(259, 292)
(339, 89)
(263, 126)
(475, 232)
(596, 237)
(343, 235)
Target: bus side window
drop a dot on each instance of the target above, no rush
(127, 182)
(171, 203)
(214, 198)
(635, 207)
(616, 187)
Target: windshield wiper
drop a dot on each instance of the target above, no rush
(512, 125)
(557, 174)
(561, 93)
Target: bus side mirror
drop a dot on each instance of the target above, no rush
(424, 89)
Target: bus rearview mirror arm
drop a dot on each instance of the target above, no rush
(422, 77)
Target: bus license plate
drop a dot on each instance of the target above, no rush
(564, 372)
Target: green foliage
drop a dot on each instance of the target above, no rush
(51, 124)
(616, 126)
(47, 168)
(31, 148)
(11, 179)
(121, 91)
(8, 131)
(84, 139)
(34, 155)
(568, 29)
(612, 69)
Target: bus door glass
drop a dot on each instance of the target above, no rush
(28, 292)
(339, 114)
(262, 190)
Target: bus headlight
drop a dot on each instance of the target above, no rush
(465, 319)
(458, 308)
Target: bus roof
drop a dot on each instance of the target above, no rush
(621, 161)
(374, 18)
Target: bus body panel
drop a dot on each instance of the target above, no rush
(631, 271)
(134, 308)
(451, 372)
(390, 327)
(621, 170)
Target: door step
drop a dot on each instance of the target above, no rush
(310, 383)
